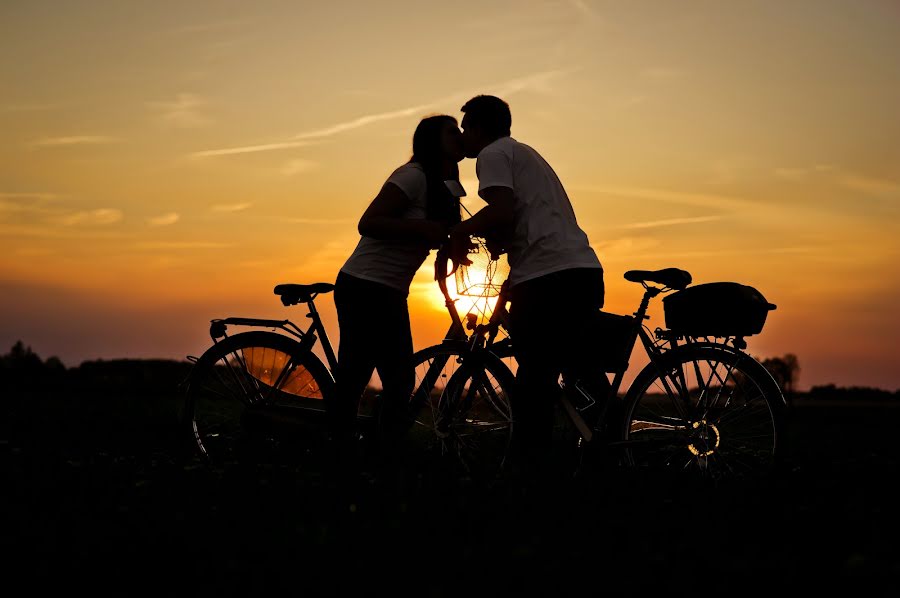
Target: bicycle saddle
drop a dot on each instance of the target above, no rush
(292, 294)
(670, 277)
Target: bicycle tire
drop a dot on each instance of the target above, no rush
(250, 392)
(730, 422)
(461, 408)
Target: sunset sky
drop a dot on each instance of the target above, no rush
(165, 163)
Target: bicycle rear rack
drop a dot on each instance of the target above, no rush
(218, 327)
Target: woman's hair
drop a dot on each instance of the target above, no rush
(441, 205)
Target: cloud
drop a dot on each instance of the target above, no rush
(538, 82)
(166, 245)
(183, 112)
(624, 247)
(249, 149)
(231, 207)
(39, 196)
(318, 220)
(55, 232)
(849, 180)
(164, 219)
(100, 217)
(73, 140)
(673, 222)
(582, 8)
(869, 185)
(298, 166)
(668, 196)
(796, 174)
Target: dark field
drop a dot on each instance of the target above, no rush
(96, 498)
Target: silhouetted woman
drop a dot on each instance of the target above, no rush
(410, 215)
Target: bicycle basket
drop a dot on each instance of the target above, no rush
(716, 309)
(484, 276)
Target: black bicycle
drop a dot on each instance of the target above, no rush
(259, 391)
(702, 403)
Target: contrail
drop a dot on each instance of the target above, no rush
(537, 81)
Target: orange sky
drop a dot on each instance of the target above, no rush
(166, 163)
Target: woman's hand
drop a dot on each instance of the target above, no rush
(433, 233)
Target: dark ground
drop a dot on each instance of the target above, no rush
(94, 498)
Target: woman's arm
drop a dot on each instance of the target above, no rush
(382, 220)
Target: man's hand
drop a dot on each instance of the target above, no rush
(460, 246)
(498, 242)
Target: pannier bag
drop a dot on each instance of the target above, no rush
(611, 335)
(716, 309)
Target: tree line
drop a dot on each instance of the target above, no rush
(22, 366)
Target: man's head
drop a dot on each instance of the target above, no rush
(486, 119)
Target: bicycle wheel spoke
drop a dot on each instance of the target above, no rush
(231, 404)
(467, 416)
(732, 429)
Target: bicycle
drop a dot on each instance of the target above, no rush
(246, 389)
(701, 403)
(252, 392)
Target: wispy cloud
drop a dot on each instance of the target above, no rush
(28, 196)
(56, 232)
(164, 219)
(167, 245)
(100, 217)
(231, 207)
(871, 185)
(73, 140)
(625, 246)
(798, 250)
(249, 149)
(849, 180)
(182, 112)
(535, 82)
(318, 220)
(672, 222)
(298, 166)
(668, 196)
(538, 82)
(582, 7)
(799, 173)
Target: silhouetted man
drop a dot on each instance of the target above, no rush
(556, 280)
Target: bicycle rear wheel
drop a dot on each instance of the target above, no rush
(461, 408)
(252, 392)
(704, 408)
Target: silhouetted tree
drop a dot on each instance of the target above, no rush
(785, 370)
(22, 365)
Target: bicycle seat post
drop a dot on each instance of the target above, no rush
(649, 294)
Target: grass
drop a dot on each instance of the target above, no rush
(97, 497)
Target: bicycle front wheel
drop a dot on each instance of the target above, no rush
(704, 408)
(461, 408)
(249, 392)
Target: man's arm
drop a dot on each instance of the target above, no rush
(381, 220)
(495, 219)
